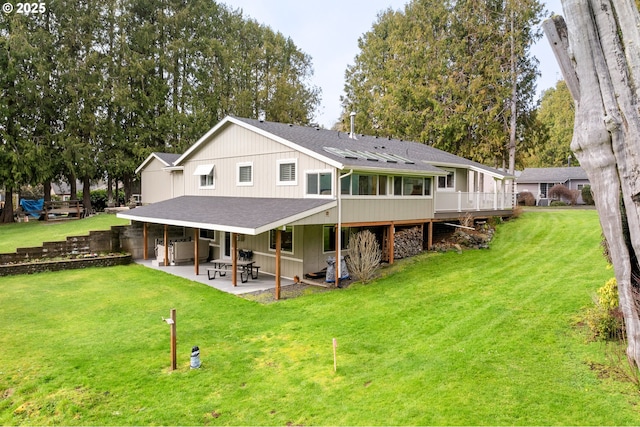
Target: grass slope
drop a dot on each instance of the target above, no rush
(34, 233)
(485, 337)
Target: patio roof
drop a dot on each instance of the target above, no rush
(245, 215)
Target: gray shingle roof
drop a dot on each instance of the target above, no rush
(551, 175)
(316, 140)
(235, 214)
(168, 158)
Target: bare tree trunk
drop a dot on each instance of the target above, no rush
(599, 53)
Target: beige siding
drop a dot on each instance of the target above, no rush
(386, 209)
(234, 145)
(156, 183)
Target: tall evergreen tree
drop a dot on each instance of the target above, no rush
(444, 73)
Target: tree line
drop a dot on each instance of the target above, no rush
(90, 89)
(455, 74)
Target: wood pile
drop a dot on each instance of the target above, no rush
(407, 243)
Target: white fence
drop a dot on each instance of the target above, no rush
(463, 202)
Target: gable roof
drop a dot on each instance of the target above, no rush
(341, 151)
(552, 175)
(246, 215)
(168, 159)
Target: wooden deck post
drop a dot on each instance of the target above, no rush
(174, 353)
(392, 243)
(166, 245)
(196, 250)
(278, 250)
(145, 241)
(430, 236)
(234, 258)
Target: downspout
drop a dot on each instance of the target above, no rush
(339, 233)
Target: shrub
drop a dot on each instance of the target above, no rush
(99, 199)
(558, 203)
(587, 195)
(605, 319)
(560, 192)
(526, 198)
(364, 256)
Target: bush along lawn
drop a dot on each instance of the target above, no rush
(483, 337)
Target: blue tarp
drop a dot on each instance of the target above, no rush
(32, 207)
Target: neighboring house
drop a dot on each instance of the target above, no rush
(538, 181)
(247, 182)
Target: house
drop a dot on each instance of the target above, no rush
(159, 179)
(292, 194)
(538, 181)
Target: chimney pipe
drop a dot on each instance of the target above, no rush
(352, 134)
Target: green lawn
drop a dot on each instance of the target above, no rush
(485, 337)
(33, 233)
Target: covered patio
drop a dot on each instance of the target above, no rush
(225, 284)
(234, 215)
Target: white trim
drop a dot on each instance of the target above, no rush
(130, 215)
(243, 165)
(279, 164)
(446, 188)
(271, 136)
(148, 159)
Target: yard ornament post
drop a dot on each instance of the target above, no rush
(597, 45)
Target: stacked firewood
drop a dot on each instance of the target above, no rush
(407, 243)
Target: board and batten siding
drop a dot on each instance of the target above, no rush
(235, 145)
(156, 184)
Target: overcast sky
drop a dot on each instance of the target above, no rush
(329, 30)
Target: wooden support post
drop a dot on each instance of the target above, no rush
(430, 236)
(166, 245)
(145, 240)
(278, 260)
(335, 355)
(392, 242)
(336, 239)
(174, 353)
(196, 250)
(234, 259)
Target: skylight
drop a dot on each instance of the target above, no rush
(368, 155)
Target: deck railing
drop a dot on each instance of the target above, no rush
(463, 202)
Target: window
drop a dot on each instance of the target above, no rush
(447, 182)
(205, 172)
(245, 174)
(427, 186)
(411, 186)
(364, 185)
(329, 238)
(207, 234)
(319, 183)
(287, 172)
(286, 236)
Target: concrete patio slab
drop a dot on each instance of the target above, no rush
(264, 281)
